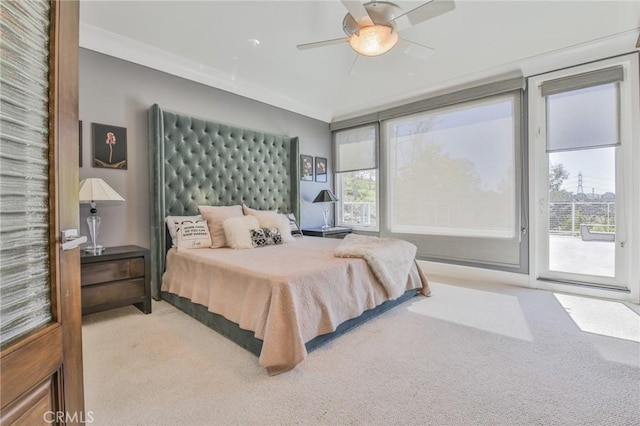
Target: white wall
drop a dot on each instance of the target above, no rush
(119, 93)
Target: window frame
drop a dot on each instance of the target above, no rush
(338, 182)
(511, 255)
(626, 282)
(340, 206)
(432, 230)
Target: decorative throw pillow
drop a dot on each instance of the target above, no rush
(174, 221)
(237, 231)
(215, 215)
(269, 219)
(193, 235)
(254, 212)
(265, 237)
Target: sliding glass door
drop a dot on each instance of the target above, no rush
(581, 126)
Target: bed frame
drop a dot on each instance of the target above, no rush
(194, 162)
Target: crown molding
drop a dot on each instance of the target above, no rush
(602, 48)
(118, 46)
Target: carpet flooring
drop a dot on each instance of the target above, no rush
(471, 354)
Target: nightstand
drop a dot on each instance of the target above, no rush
(119, 276)
(335, 232)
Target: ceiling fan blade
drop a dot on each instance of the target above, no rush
(423, 12)
(315, 44)
(354, 66)
(415, 50)
(366, 66)
(408, 53)
(357, 10)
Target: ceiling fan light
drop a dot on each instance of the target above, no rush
(373, 40)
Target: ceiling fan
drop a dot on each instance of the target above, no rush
(372, 28)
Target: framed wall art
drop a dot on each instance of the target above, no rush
(321, 169)
(109, 146)
(306, 168)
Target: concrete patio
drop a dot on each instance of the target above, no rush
(571, 254)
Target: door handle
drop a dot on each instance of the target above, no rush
(70, 239)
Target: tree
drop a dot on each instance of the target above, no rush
(557, 176)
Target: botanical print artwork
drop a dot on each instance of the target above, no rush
(109, 146)
(306, 168)
(321, 169)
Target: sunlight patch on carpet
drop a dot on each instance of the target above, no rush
(603, 317)
(484, 310)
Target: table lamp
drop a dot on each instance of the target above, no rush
(94, 190)
(325, 196)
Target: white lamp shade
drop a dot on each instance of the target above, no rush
(374, 40)
(96, 189)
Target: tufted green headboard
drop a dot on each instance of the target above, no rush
(199, 162)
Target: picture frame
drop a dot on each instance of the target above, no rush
(306, 168)
(109, 146)
(321, 169)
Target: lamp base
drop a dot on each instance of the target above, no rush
(94, 249)
(325, 216)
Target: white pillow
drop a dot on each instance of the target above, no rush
(237, 231)
(249, 211)
(193, 235)
(275, 220)
(174, 221)
(215, 215)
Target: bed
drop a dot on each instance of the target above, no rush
(281, 301)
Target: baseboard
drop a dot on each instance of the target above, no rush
(447, 273)
(435, 271)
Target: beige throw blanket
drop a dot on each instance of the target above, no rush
(390, 259)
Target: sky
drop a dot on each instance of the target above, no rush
(597, 167)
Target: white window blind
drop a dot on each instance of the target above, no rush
(452, 171)
(583, 118)
(356, 153)
(356, 149)
(25, 302)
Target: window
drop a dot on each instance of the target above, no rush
(452, 180)
(583, 128)
(452, 170)
(358, 194)
(357, 177)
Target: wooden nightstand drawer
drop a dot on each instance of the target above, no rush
(335, 232)
(114, 292)
(118, 277)
(113, 270)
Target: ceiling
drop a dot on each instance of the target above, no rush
(249, 47)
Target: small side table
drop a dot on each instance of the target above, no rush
(118, 277)
(335, 232)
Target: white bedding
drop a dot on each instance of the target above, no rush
(286, 294)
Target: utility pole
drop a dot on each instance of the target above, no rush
(580, 188)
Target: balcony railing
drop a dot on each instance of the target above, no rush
(565, 217)
(359, 213)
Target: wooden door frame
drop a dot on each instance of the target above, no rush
(64, 187)
(35, 372)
